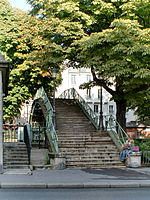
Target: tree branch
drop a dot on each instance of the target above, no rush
(102, 83)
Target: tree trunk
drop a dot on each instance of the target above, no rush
(121, 113)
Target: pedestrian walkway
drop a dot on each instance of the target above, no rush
(88, 178)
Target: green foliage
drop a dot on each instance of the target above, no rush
(24, 46)
(144, 144)
(117, 55)
(139, 10)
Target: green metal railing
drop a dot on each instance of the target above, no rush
(73, 94)
(42, 99)
(145, 158)
(117, 133)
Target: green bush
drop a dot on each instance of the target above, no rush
(144, 144)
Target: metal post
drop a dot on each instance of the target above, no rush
(101, 125)
(27, 104)
(54, 111)
(1, 124)
(39, 142)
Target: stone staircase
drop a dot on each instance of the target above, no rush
(84, 146)
(15, 155)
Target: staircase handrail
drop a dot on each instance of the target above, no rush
(50, 130)
(73, 94)
(115, 130)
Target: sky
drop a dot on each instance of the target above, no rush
(20, 4)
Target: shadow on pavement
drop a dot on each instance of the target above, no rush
(116, 173)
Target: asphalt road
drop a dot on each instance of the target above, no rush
(76, 194)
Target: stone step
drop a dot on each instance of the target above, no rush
(92, 164)
(74, 130)
(43, 166)
(83, 143)
(72, 117)
(74, 124)
(83, 134)
(15, 155)
(86, 146)
(18, 158)
(16, 166)
(14, 146)
(16, 162)
(92, 154)
(15, 150)
(94, 158)
(93, 132)
(83, 140)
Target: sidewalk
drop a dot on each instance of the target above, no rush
(88, 178)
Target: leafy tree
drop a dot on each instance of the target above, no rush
(118, 58)
(117, 52)
(21, 42)
(139, 10)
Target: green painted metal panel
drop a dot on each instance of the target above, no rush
(43, 101)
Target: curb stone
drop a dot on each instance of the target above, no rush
(71, 186)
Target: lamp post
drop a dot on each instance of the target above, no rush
(101, 125)
(27, 104)
(4, 69)
(54, 111)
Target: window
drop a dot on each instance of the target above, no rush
(88, 93)
(111, 109)
(73, 79)
(96, 108)
(88, 78)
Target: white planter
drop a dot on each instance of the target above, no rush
(134, 160)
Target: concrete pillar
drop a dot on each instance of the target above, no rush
(1, 124)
